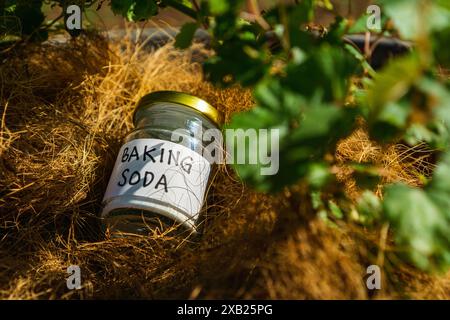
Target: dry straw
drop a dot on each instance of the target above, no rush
(65, 108)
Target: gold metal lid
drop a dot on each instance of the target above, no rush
(181, 98)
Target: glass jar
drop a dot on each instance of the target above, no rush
(160, 175)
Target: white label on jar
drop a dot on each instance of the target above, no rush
(161, 170)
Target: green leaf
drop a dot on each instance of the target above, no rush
(439, 96)
(237, 60)
(302, 12)
(335, 210)
(391, 121)
(186, 35)
(421, 227)
(434, 134)
(360, 25)
(290, 21)
(218, 7)
(135, 10)
(308, 130)
(416, 17)
(324, 4)
(11, 7)
(121, 6)
(318, 175)
(421, 218)
(369, 207)
(393, 81)
(284, 103)
(387, 100)
(440, 185)
(366, 176)
(316, 199)
(325, 72)
(360, 57)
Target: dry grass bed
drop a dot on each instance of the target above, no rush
(64, 111)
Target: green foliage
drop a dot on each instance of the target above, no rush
(185, 36)
(22, 17)
(312, 88)
(440, 47)
(370, 208)
(325, 72)
(409, 85)
(305, 100)
(135, 10)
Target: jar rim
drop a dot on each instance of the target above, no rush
(182, 98)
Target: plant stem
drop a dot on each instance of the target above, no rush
(203, 20)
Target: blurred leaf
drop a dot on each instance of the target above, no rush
(386, 97)
(22, 18)
(290, 22)
(439, 98)
(393, 81)
(441, 47)
(325, 72)
(316, 199)
(360, 57)
(318, 175)
(335, 210)
(391, 121)
(434, 133)
(369, 207)
(324, 4)
(121, 6)
(218, 7)
(186, 35)
(240, 60)
(421, 219)
(439, 188)
(308, 129)
(366, 176)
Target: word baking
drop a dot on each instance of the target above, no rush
(156, 154)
